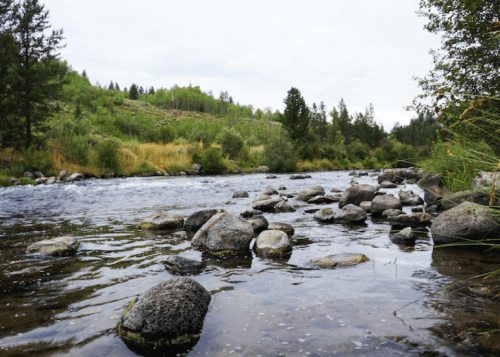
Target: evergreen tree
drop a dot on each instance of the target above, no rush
(151, 90)
(133, 94)
(39, 70)
(84, 75)
(141, 90)
(111, 86)
(117, 87)
(9, 55)
(296, 115)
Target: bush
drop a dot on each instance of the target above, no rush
(279, 153)
(4, 181)
(37, 160)
(212, 162)
(143, 168)
(232, 142)
(358, 150)
(107, 154)
(76, 149)
(165, 134)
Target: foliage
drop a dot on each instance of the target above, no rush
(4, 181)
(358, 150)
(469, 58)
(37, 160)
(143, 169)
(107, 153)
(421, 130)
(231, 142)
(212, 162)
(279, 154)
(133, 92)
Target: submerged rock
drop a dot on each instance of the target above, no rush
(284, 207)
(392, 212)
(224, 233)
(250, 213)
(56, 247)
(261, 198)
(273, 243)
(338, 260)
(296, 177)
(348, 214)
(465, 223)
(169, 313)
(357, 194)
(159, 221)
(280, 226)
(181, 265)
(388, 184)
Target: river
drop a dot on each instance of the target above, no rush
(260, 306)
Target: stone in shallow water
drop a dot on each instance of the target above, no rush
(167, 314)
(224, 233)
(240, 194)
(181, 265)
(338, 260)
(198, 219)
(162, 221)
(273, 243)
(284, 207)
(309, 193)
(266, 205)
(56, 247)
(280, 226)
(405, 236)
(270, 191)
(259, 223)
(420, 219)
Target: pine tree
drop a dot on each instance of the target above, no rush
(39, 69)
(84, 75)
(141, 90)
(296, 115)
(111, 86)
(133, 94)
(117, 87)
(151, 90)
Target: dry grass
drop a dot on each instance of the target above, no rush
(158, 156)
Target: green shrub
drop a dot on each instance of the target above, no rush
(4, 181)
(26, 181)
(143, 169)
(358, 150)
(107, 154)
(279, 153)
(36, 160)
(165, 134)
(232, 142)
(77, 149)
(212, 162)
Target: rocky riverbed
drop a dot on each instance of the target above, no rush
(300, 302)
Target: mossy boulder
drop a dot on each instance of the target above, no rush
(273, 243)
(168, 314)
(56, 247)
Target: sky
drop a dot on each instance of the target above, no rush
(363, 51)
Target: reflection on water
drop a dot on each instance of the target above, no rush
(260, 306)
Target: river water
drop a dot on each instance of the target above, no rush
(260, 306)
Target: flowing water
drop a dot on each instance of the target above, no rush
(260, 306)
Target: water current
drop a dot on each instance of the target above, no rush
(260, 306)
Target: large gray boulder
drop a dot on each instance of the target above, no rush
(266, 205)
(385, 202)
(465, 223)
(55, 247)
(391, 176)
(198, 219)
(169, 313)
(453, 200)
(224, 233)
(273, 243)
(159, 221)
(419, 219)
(388, 184)
(262, 169)
(357, 194)
(339, 260)
(29, 175)
(309, 193)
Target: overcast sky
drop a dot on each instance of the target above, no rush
(364, 51)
